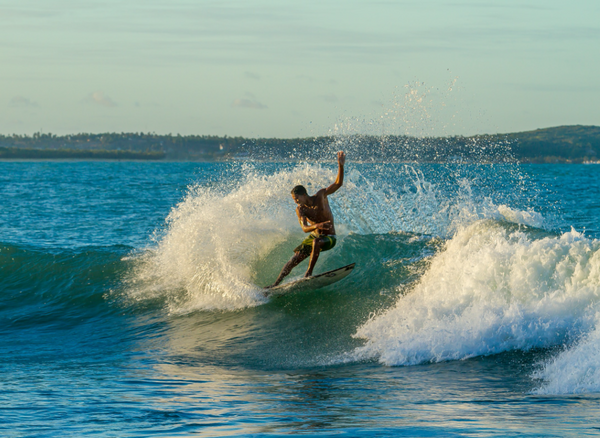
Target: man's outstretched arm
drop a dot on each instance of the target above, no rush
(339, 181)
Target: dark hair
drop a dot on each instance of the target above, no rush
(299, 190)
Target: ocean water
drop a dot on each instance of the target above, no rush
(131, 301)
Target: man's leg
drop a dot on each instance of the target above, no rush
(294, 261)
(314, 256)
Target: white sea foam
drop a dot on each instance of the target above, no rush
(531, 218)
(574, 371)
(491, 290)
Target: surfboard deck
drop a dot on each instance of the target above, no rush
(311, 283)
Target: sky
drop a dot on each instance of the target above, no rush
(278, 68)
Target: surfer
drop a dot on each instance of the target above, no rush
(315, 217)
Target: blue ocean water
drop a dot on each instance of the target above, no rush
(131, 305)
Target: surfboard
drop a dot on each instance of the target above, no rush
(311, 283)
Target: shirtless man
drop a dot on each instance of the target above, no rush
(315, 217)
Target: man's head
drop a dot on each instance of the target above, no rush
(300, 195)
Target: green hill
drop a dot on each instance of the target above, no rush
(569, 144)
(563, 144)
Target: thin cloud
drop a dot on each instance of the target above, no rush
(99, 98)
(546, 88)
(21, 102)
(331, 98)
(248, 103)
(305, 78)
(251, 75)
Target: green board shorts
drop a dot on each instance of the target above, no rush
(307, 244)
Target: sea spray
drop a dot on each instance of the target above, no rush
(492, 289)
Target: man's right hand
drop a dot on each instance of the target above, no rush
(324, 226)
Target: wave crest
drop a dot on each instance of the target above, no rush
(492, 289)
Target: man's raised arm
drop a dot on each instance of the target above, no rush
(339, 181)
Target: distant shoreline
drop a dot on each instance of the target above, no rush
(66, 154)
(565, 144)
(105, 160)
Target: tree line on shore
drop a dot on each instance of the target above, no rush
(571, 144)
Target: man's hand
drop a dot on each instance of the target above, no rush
(341, 157)
(324, 226)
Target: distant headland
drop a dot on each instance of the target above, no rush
(563, 144)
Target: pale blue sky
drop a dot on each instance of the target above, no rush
(266, 68)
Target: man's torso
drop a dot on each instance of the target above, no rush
(319, 212)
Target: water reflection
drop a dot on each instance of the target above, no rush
(479, 396)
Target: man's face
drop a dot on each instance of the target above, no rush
(300, 199)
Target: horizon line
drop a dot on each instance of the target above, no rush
(40, 133)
